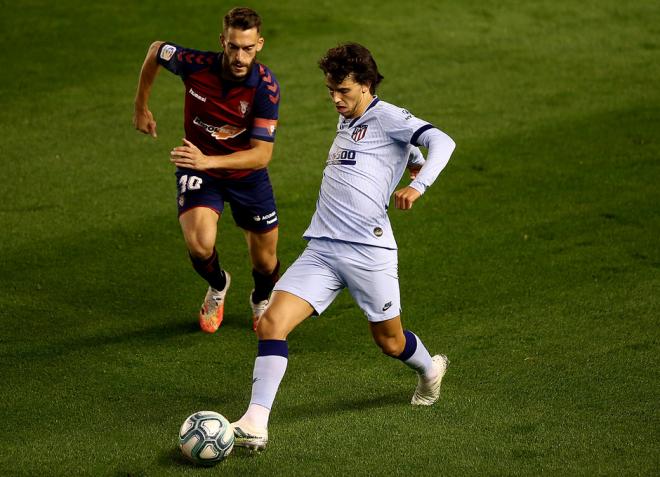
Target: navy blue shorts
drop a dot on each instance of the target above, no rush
(251, 198)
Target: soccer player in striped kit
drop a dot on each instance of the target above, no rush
(351, 244)
(230, 116)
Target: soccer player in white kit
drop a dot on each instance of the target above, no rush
(351, 244)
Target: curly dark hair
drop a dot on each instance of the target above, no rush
(242, 18)
(351, 59)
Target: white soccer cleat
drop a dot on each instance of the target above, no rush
(257, 310)
(250, 438)
(213, 308)
(428, 392)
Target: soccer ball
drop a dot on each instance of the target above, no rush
(206, 437)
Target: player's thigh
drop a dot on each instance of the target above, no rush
(197, 189)
(200, 203)
(285, 311)
(372, 279)
(312, 278)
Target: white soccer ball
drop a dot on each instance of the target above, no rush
(206, 438)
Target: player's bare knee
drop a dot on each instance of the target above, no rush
(265, 264)
(390, 346)
(268, 328)
(199, 248)
(199, 251)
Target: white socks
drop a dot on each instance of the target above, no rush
(416, 356)
(269, 368)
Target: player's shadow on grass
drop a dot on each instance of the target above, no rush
(173, 458)
(155, 334)
(344, 404)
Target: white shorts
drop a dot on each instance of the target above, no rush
(328, 266)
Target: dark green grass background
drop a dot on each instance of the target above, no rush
(533, 262)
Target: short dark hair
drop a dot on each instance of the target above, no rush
(351, 59)
(242, 18)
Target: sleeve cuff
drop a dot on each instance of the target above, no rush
(418, 186)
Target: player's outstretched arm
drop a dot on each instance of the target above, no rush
(143, 120)
(440, 148)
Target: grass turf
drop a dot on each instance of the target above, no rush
(533, 261)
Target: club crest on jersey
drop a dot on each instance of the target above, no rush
(167, 51)
(359, 132)
(243, 107)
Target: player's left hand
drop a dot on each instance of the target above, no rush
(189, 156)
(404, 198)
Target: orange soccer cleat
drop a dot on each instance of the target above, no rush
(213, 308)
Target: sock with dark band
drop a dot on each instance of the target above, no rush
(416, 356)
(269, 368)
(263, 284)
(209, 269)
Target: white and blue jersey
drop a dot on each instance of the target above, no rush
(351, 244)
(366, 161)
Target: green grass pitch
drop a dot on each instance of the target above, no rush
(533, 262)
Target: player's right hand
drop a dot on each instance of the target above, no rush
(404, 198)
(144, 122)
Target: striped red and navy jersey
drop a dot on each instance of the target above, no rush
(222, 116)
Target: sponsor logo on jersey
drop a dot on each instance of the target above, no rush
(342, 157)
(195, 94)
(167, 51)
(220, 133)
(359, 132)
(407, 114)
(387, 306)
(378, 232)
(243, 107)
